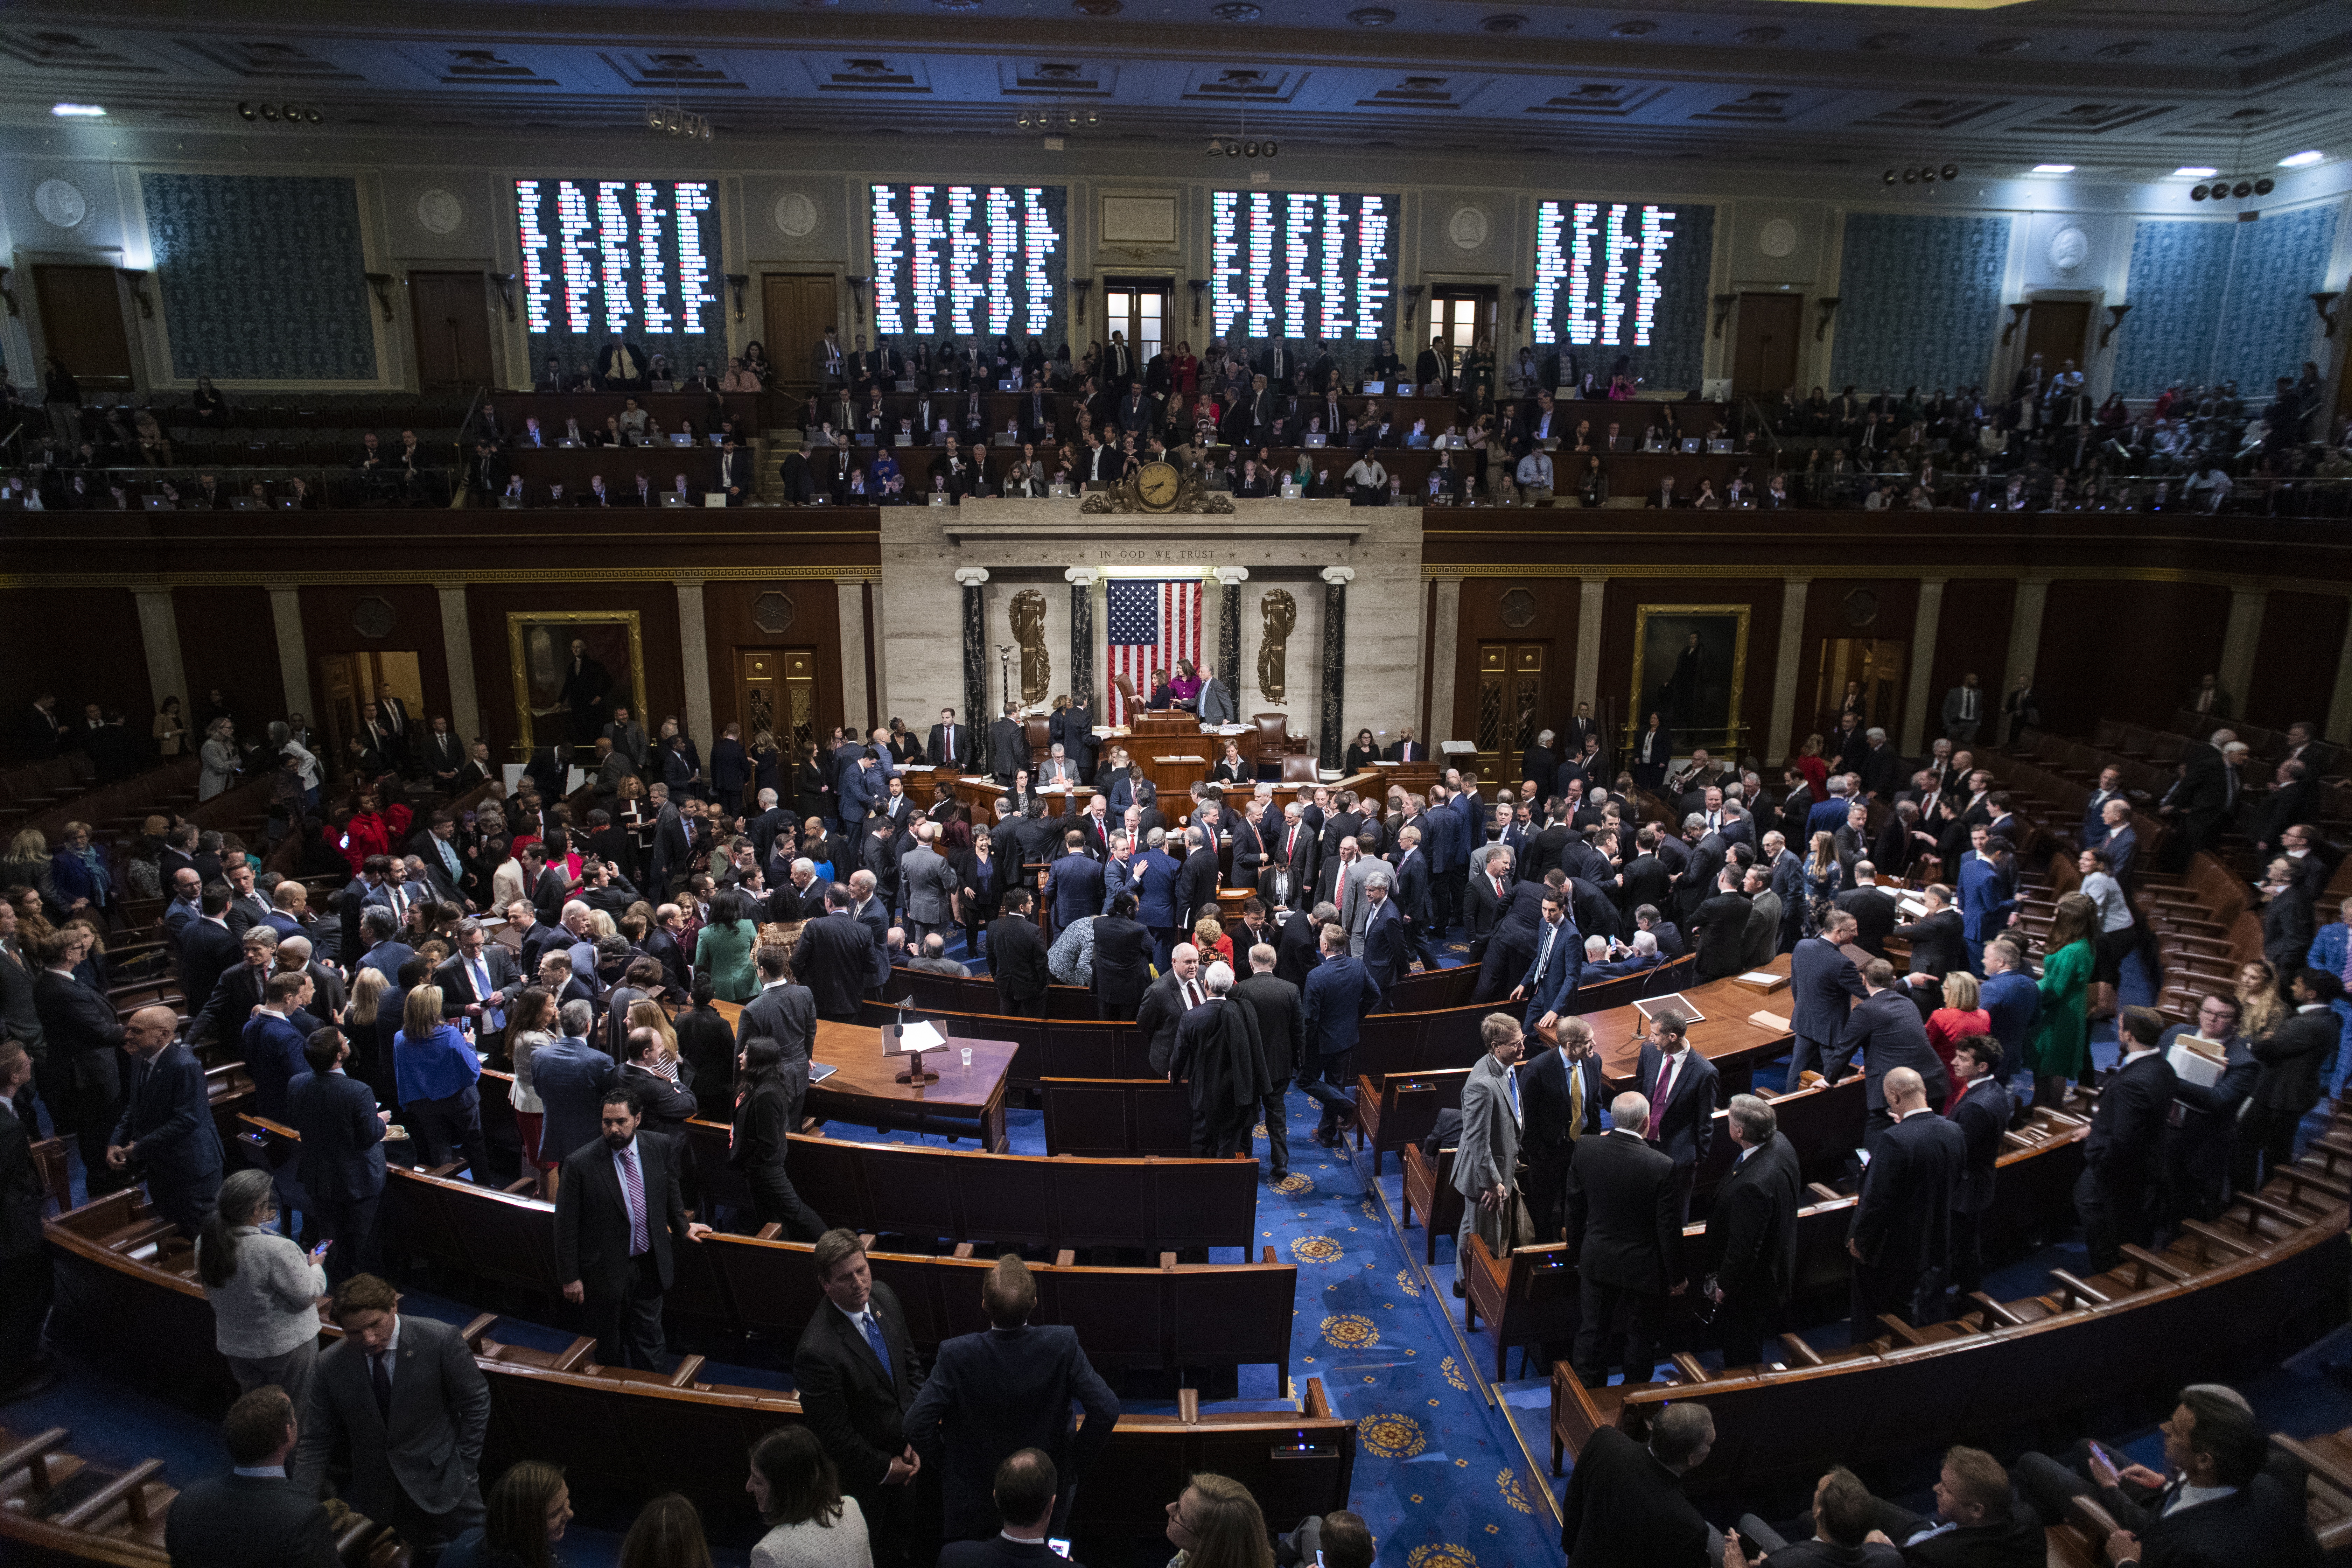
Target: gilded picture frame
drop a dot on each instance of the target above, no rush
(1709, 691)
(539, 650)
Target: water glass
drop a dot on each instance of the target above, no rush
(967, 1058)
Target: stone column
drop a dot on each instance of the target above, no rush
(1229, 631)
(694, 650)
(1334, 699)
(1784, 671)
(457, 648)
(1917, 694)
(1588, 610)
(851, 605)
(974, 580)
(294, 657)
(2024, 639)
(1445, 652)
(1081, 580)
(2245, 629)
(2339, 701)
(159, 632)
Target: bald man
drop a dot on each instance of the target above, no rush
(1902, 1229)
(167, 1122)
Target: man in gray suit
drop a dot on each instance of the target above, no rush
(406, 1395)
(782, 1011)
(1216, 702)
(1487, 1161)
(1355, 908)
(927, 886)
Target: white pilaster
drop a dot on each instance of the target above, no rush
(1444, 661)
(694, 649)
(856, 701)
(293, 651)
(2244, 630)
(1923, 655)
(159, 632)
(1587, 683)
(457, 648)
(2025, 630)
(1784, 671)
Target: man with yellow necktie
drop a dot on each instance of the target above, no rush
(1563, 1094)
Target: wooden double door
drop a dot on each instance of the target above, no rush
(1508, 712)
(449, 313)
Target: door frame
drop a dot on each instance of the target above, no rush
(799, 377)
(23, 270)
(2093, 362)
(493, 326)
(1730, 365)
(1143, 279)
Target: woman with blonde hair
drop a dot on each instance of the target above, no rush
(28, 865)
(2060, 1047)
(171, 731)
(1209, 936)
(435, 1067)
(219, 760)
(1217, 1524)
(1956, 1019)
(652, 1014)
(2261, 1007)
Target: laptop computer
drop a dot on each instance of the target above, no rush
(681, 439)
(904, 383)
(1690, 443)
(671, 498)
(1004, 438)
(506, 503)
(716, 498)
(1375, 388)
(157, 503)
(1718, 444)
(1319, 440)
(243, 504)
(661, 386)
(1010, 383)
(865, 438)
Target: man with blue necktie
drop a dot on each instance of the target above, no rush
(1551, 979)
(479, 983)
(855, 1372)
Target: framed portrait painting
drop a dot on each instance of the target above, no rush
(572, 669)
(1690, 666)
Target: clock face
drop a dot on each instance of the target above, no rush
(1157, 483)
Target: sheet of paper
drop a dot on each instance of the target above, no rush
(921, 1035)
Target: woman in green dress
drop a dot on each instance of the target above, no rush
(723, 949)
(2060, 1048)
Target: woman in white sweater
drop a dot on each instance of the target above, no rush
(264, 1289)
(530, 1025)
(798, 1492)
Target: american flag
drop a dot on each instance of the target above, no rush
(1152, 625)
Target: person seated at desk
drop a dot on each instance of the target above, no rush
(1252, 480)
(597, 494)
(632, 419)
(1362, 754)
(551, 379)
(855, 490)
(684, 491)
(532, 436)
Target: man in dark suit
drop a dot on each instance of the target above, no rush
(27, 1284)
(1122, 968)
(834, 958)
(340, 1163)
(407, 1399)
(1887, 1032)
(784, 1012)
(82, 1035)
(1902, 1227)
(1486, 901)
(1719, 928)
(252, 1517)
(1625, 1232)
(1222, 1061)
(2233, 1503)
(1339, 991)
(1025, 1491)
(1017, 958)
(1873, 909)
(1075, 881)
(1936, 945)
(1751, 1230)
(992, 1394)
(1160, 1013)
(1551, 978)
(1560, 1094)
(2120, 1159)
(1695, 882)
(951, 744)
(1281, 1028)
(207, 949)
(1980, 1110)
(1008, 745)
(855, 1369)
(618, 1214)
(1196, 879)
(166, 1125)
(1629, 1508)
(1680, 1085)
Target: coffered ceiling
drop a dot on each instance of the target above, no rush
(2131, 90)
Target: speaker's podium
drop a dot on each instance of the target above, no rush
(1168, 745)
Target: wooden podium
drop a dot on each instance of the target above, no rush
(1170, 749)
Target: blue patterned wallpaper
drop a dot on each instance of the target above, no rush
(1677, 353)
(2221, 300)
(1919, 300)
(263, 277)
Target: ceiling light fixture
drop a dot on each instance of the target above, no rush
(2302, 159)
(2053, 168)
(78, 110)
(2194, 171)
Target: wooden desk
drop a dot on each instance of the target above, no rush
(1726, 1037)
(865, 1093)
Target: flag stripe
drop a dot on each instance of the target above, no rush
(1151, 627)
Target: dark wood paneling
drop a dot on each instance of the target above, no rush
(2125, 650)
(83, 645)
(816, 623)
(2294, 659)
(1896, 603)
(1627, 595)
(1558, 604)
(81, 323)
(227, 639)
(326, 628)
(487, 609)
(1972, 634)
